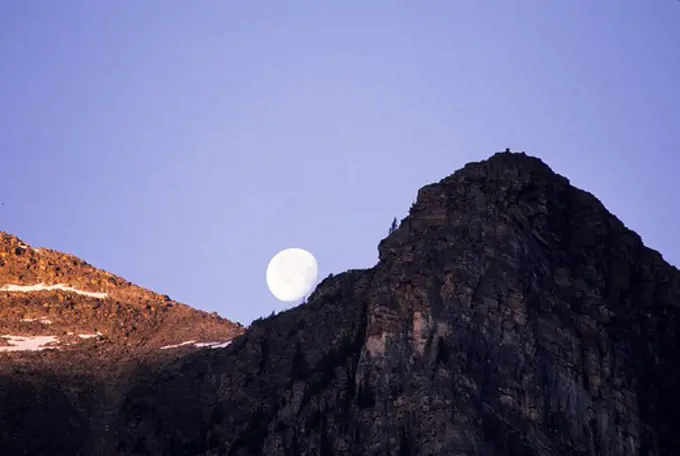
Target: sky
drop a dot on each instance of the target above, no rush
(182, 144)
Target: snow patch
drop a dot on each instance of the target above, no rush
(28, 343)
(212, 344)
(43, 320)
(45, 287)
(89, 336)
(189, 342)
(221, 344)
(198, 344)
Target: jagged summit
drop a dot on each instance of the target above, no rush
(510, 314)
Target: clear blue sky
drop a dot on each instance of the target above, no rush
(181, 144)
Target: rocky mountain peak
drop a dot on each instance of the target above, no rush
(514, 187)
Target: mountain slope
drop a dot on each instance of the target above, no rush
(70, 336)
(53, 295)
(509, 314)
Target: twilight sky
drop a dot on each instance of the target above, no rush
(181, 144)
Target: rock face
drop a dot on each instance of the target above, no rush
(510, 314)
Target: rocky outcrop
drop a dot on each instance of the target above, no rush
(509, 314)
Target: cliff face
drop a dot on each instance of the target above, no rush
(510, 314)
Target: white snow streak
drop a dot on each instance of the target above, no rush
(44, 287)
(212, 344)
(28, 343)
(89, 336)
(198, 344)
(43, 320)
(189, 342)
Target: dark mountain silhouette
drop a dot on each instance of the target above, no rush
(510, 314)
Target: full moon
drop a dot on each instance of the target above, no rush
(291, 274)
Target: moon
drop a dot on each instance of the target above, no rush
(291, 274)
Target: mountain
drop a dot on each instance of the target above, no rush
(509, 314)
(71, 335)
(57, 302)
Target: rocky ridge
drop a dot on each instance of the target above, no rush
(57, 302)
(510, 314)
